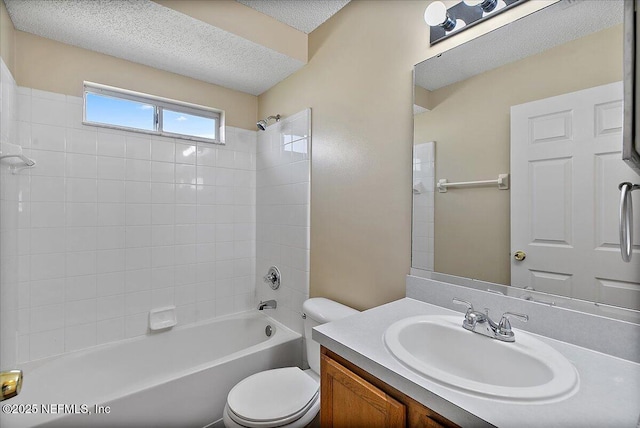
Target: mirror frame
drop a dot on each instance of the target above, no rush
(631, 136)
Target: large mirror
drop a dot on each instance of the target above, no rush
(538, 103)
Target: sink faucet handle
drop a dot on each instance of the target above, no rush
(463, 302)
(521, 317)
(471, 317)
(504, 326)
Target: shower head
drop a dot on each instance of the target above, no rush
(262, 124)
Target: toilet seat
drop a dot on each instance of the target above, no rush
(273, 398)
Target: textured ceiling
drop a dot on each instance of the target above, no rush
(145, 32)
(303, 15)
(552, 26)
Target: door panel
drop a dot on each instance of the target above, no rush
(566, 166)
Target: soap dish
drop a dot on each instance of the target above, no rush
(162, 318)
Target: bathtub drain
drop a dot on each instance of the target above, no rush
(268, 330)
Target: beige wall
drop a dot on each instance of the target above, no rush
(52, 66)
(470, 124)
(359, 84)
(422, 97)
(7, 36)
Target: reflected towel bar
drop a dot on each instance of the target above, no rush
(502, 182)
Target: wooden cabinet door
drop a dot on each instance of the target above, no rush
(422, 417)
(347, 400)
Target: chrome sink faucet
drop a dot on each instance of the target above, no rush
(480, 323)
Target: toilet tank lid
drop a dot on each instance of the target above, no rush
(325, 310)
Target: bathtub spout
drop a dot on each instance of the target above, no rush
(269, 304)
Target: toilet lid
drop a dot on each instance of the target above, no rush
(282, 395)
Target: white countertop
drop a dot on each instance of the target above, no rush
(609, 393)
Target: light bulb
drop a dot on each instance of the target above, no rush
(435, 15)
(486, 5)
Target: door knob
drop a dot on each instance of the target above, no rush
(11, 383)
(520, 256)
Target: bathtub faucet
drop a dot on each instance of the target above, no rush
(269, 304)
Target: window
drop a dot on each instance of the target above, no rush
(133, 111)
(119, 112)
(177, 122)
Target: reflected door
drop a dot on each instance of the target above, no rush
(566, 166)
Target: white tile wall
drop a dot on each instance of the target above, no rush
(10, 206)
(423, 205)
(282, 229)
(111, 224)
(115, 223)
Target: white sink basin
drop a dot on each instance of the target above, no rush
(438, 348)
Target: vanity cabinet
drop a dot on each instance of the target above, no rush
(352, 397)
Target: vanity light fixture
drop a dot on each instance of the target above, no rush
(446, 22)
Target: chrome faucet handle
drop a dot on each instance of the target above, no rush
(463, 302)
(504, 326)
(471, 317)
(270, 277)
(273, 277)
(521, 317)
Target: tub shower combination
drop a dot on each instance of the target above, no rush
(177, 378)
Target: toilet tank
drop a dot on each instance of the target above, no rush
(319, 310)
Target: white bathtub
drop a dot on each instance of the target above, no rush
(178, 378)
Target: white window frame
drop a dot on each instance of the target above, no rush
(159, 104)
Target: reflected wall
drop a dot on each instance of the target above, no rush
(469, 121)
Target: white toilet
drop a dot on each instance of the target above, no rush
(286, 397)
